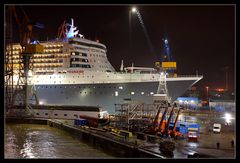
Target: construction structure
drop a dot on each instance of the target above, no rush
(166, 63)
(134, 116)
(18, 93)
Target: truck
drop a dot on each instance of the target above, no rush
(216, 128)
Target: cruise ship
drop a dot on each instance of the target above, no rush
(76, 71)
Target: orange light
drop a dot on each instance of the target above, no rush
(220, 89)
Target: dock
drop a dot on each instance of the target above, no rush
(98, 138)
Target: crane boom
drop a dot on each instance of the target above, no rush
(168, 121)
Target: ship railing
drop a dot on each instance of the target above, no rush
(183, 76)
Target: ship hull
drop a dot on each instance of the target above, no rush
(107, 95)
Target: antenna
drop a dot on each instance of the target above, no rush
(132, 68)
(121, 68)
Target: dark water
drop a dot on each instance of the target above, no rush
(42, 141)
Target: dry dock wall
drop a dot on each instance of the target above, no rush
(116, 148)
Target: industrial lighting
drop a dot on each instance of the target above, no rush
(29, 73)
(132, 93)
(116, 93)
(228, 118)
(151, 93)
(120, 87)
(142, 93)
(134, 9)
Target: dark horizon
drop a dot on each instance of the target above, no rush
(202, 38)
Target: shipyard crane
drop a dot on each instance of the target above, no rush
(62, 30)
(167, 56)
(166, 63)
(20, 90)
(166, 128)
(162, 123)
(173, 132)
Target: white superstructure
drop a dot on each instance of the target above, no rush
(76, 71)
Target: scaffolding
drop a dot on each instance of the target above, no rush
(17, 93)
(134, 115)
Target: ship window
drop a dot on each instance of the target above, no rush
(80, 92)
(55, 87)
(56, 114)
(78, 76)
(92, 76)
(65, 114)
(46, 86)
(37, 113)
(85, 92)
(46, 113)
(50, 87)
(75, 115)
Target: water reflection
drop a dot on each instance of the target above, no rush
(41, 141)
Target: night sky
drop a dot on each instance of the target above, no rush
(201, 38)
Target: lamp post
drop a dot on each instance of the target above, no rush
(207, 97)
(132, 10)
(207, 91)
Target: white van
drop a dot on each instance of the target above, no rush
(216, 127)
